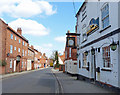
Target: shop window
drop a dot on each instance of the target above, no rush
(105, 16)
(106, 56)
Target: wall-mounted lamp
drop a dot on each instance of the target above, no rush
(93, 51)
(86, 53)
(113, 46)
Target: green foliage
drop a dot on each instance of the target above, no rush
(56, 57)
(3, 63)
(57, 65)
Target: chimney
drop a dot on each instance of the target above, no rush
(19, 30)
(43, 54)
(32, 46)
(68, 31)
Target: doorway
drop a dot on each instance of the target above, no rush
(93, 67)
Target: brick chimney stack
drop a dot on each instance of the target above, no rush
(43, 54)
(32, 46)
(19, 30)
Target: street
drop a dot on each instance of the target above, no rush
(44, 81)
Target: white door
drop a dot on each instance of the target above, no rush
(14, 65)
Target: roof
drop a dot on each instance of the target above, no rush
(81, 7)
(8, 27)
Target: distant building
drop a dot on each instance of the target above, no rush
(31, 58)
(71, 53)
(14, 49)
(98, 45)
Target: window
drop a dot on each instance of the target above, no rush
(10, 63)
(14, 48)
(18, 49)
(11, 47)
(28, 52)
(84, 60)
(19, 40)
(23, 43)
(84, 14)
(70, 52)
(25, 64)
(105, 16)
(23, 52)
(84, 37)
(15, 38)
(11, 36)
(106, 56)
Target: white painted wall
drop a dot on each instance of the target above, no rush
(29, 65)
(70, 67)
(94, 12)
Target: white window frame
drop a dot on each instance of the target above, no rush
(10, 63)
(15, 48)
(18, 49)
(11, 36)
(84, 60)
(106, 52)
(11, 49)
(106, 16)
(23, 43)
(19, 41)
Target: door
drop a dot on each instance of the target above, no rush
(14, 65)
(93, 67)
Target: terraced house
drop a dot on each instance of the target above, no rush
(99, 49)
(14, 49)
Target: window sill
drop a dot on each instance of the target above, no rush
(105, 28)
(84, 67)
(106, 69)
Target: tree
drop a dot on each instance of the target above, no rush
(56, 57)
(3, 63)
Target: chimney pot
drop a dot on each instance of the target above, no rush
(19, 30)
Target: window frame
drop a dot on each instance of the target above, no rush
(105, 17)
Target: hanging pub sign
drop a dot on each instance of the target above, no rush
(93, 26)
(70, 41)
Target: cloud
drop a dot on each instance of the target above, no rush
(60, 39)
(25, 8)
(29, 27)
(48, 45)
(46, 50)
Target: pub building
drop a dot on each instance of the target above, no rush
(98, 24)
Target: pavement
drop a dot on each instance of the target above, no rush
(70, 84)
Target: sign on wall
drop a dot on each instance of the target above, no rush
(93, 26)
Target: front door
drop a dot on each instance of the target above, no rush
(93, 67)
(14, 65)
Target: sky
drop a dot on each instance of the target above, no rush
(43, 23)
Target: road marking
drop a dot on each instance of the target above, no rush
(60, 88)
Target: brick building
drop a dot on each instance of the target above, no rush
(14, 49)
(43, 61)
(31, 56)
(71, 53)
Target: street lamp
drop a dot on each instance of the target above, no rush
(114, 45)
(93, 51)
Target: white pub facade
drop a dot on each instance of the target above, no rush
(98, 24)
